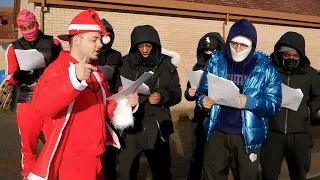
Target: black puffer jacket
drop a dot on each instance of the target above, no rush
(165, 81)
(213, 41)
(304, 77)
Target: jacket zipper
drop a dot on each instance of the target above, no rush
(287, 111)
(161, 137)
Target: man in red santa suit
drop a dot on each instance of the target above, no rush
(29, 123)
(73, 92)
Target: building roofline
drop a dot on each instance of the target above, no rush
(192, 10)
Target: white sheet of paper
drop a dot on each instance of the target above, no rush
(291, 98)
(132, 87)
(29, 59)
(107, 71)
(194, 77)
(224, 91)
(142, 89)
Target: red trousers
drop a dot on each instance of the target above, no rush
(30, 126)
(81, 168)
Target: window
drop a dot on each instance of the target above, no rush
(8, 13)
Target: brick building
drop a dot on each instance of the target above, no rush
(181, 23)
(7, 29)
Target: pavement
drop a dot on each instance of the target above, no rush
(180, 143)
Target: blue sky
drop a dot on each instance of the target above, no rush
(7, 3)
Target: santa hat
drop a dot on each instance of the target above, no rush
(86, 21)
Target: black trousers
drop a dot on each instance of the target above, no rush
(223, 151)
(159, 158)
(198, 142)
(296, 148)
(110, 163)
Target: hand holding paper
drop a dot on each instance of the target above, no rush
(133, 99)
(223, 91)
(194, 77)
(291, 98)
(192, 92)
(243, 101)
(123, 115)
(132, 87)
(30, 59)
(208, 102)
(142, 89)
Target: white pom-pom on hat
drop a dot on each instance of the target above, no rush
(106, 39)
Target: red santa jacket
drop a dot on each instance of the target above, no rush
(78, 111)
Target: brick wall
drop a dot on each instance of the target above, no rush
(177, 34)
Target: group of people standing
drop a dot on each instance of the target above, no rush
(262, 131)
(68, 101)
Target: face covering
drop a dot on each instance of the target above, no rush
(290, 64)
(240, 56)
(207, 56)
(26, 17)
(31, 34)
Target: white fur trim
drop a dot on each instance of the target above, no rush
(32, 176)
(115, 138)
(6, 61)
(22, 155)
(113, 134)
(242, 40)
(176, 58)
(73, 78)
(104, 95)
(123, 116)
(79, 27)
(106, 39)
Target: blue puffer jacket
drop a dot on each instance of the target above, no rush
(263, 91)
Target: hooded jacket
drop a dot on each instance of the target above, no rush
(165, 81)
(229, 119)
(304, 77)
(262, 89)
(214, 41)
(110, 57)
